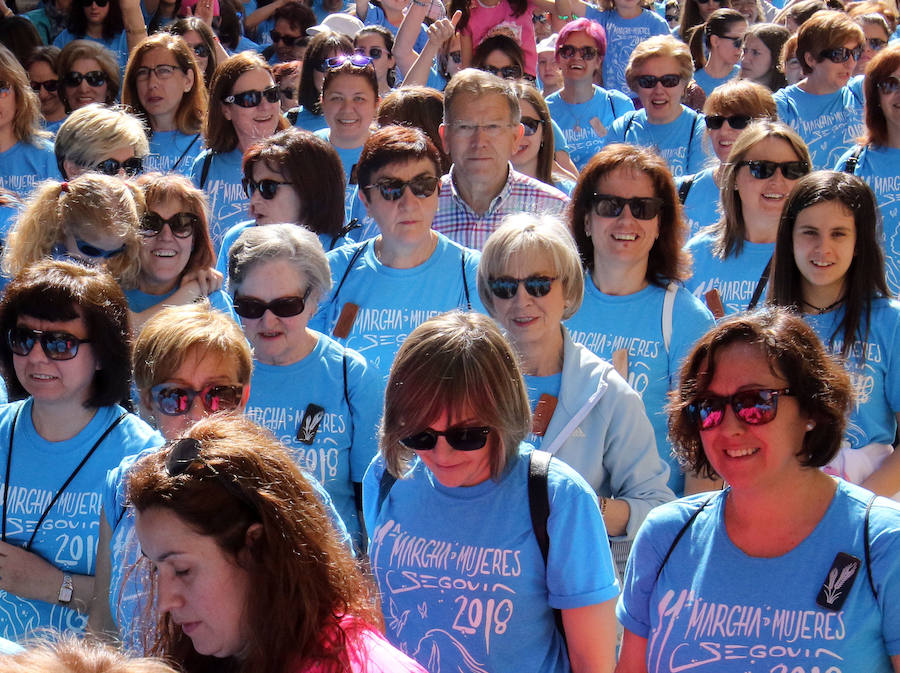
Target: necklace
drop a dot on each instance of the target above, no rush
(823, 309)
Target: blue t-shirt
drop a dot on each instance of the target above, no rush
(228, 204)
(309, 121)
(375, 17)
(679, 142)
(68, 536)
(585, 125)
(876, 381)
(880, 168)
(622, 36)
(707, 82)
(828, 123)
(703, 205)
(537, 386)
(735, 277)
(169, 147)
(117, 44)
(349, 157)
(23, 165)
(393, 302)
(332, 436)
(715, 609)
(464, 586)
(606, 323)
(52, 127)
(140, 301)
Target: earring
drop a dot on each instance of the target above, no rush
(810, 425)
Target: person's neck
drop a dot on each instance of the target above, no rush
(760, 228)
(675, 114)
(156, 287)
(619, 279)
(819, 299)
(893, 135)
(397, 255)
(542, 358)
(529, 167)
(94, 30)
(7, 139)
(308, 342)
(550, 88)
(629, 12)
(717, 68)
(163, 123)
(57, 114)
(59, 421)
(394, 16)
(479, 194)
(816, 87)
(576, 91)
(349, 142)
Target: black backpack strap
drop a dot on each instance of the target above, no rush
(691, 137)
(539, 507)
(184, 154)
(384, 487)
(686, 188)
(356, 255)
(346, 391)
(631, 116)
(760, 286)
(346, 229)
(207, 162)
(687, 524)
(292, 115)
(853, 160)
(610, 101)
(462, 263)
(867, 546)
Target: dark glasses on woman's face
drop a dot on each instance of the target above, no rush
(736, 41)
(56, 345)
(357, 60)
(390, 189)
(201, 51)
(252, 98)
(373, 53)
(736, 122)
(88, 3)
(531, 125)
(889, 85)
(506, 72)
(642, 207)
(267, 188)
(181, 225)
(89, 250)
(506, 287)
(94, 78)
(841, 54)
(175, 400)
(288, 40)
(753, 407)
(568, 51)
(50, 85)
(283, 307)
(132, 166)
(762, 170)
(650, 81)
(461, 438)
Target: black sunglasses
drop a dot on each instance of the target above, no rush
(753, 407)
(455, 56)
(267, 188)
(506, 72)
(568, 51)
(506, 287)
(642, 207)
(461, 438)
(132, 166)
(889, 85)
(88, 3)
(283, 307)
(181, 225)
(841, 54)
(89, 250)
(374, 52)
(201, 51)
(736, 122)
(174, 400)
(50, 85)
(95, 78)
(56, 345)
(288, 40)
(650, 81)
(736, 41)
(762, 169)
(422, 187)
(531, 125)
(252, 98)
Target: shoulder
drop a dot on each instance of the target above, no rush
(664, 522)
(342, 255)
(529, 185)
(687, 303)
(700, 243)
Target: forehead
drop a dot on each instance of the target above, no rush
(474, 108)
(202, 365)
(659, 65)
(285, 27)
(626, 182)
(252, 80)
(773, 149)
(40, 67)
(740, 364)
(529, 260)
(370, 40)
(349, 83)
(85, 65)
(580, 39)
(404, 170)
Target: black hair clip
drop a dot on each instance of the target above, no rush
(181, 455)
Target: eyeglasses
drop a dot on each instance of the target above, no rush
(461, 438)
(762, 170)
(568, 51)
(642, 207)
(506, 72)
(506, 287)
(132, 166)
(95, 78)
(56, 345)
(288, 92)
(201, 50)
(174, 400)
(841, 54)
(181, 225)
(253, 97)
(374, 52)
(390, 189)
(93, 251)
(649, 81)
(889, 85)
(267, 188)
(876, 43)
(531, 125)
(753, 407)
(88, 3)
(736, 122)
(288, 40)
(736, 41)
(455, 56)
(283, 307)
(164, 71)
(468, 129)
(50, 85)
(356, 60)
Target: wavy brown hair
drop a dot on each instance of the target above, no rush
(883, 65)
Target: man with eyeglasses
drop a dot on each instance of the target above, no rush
(481, 132)
(822, 108)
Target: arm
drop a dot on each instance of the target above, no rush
(886, 479)
(404, 54)
(565, 162)
(133, 20)
(438, 32)
(100, 620)
(29, 576)
(5, 11)
(568, 8)
(261, 14)
(591, 637)
(616, 515)
(895, 663)
(633, 656)
(194, 285)
(362, 10)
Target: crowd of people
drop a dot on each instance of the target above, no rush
(470, 336)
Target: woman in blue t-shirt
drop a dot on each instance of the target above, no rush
(323, 46)
(716, 48)
(96, 20)
(88, 73)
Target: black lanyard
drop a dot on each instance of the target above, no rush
(62, 488)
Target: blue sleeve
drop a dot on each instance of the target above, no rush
(331, 511)
(697, 157)
(197, 168)
(617, 130)
(370, 487)
(338, 260)
(559, 140)
(221, 301)
(621, 103)
(366, 404)
(784, 108)
(892, 382)
(472, 258)
(884, 545)
(691, 320)
(227, 241)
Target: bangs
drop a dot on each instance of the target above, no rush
(53, 304)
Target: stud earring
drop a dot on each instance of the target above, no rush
(810, 425)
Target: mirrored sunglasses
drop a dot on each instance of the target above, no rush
(462, 438)
(753, 407)
(506, 287)
(182, 225)
(876, 43)
(422, 187)
(567, 51)
(374, 53)
(506, 72)
(175, 400)
(132, 166)
(252, 98)
(889, 85)
(56, 345)
(762, 169)
(641, 207)
(201, 51)
(283, 307)
(356, 60)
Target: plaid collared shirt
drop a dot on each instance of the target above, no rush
(521, 194)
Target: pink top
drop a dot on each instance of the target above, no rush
(499, 18)
(370, 652)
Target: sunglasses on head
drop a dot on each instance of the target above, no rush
(461, 438)
(56, 345)
(201, 51)
(132, 166)
(506, 287)
(531, 125)
(267, 188)
(253, 97)
(762, 170)
(642, 207)
(455, 56)
(841, 54)
(288, 40)
(181, 225)
(93, 251)
(175, 400)
(753, 407)
(889, 85)
(736, 122)
(283, 307)
(650, 81)
(356, 60)
(94, 78)
(374, 53)
(50, 85)
(391, 189)
(185, 452)
(568, 51)
(506, 72)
